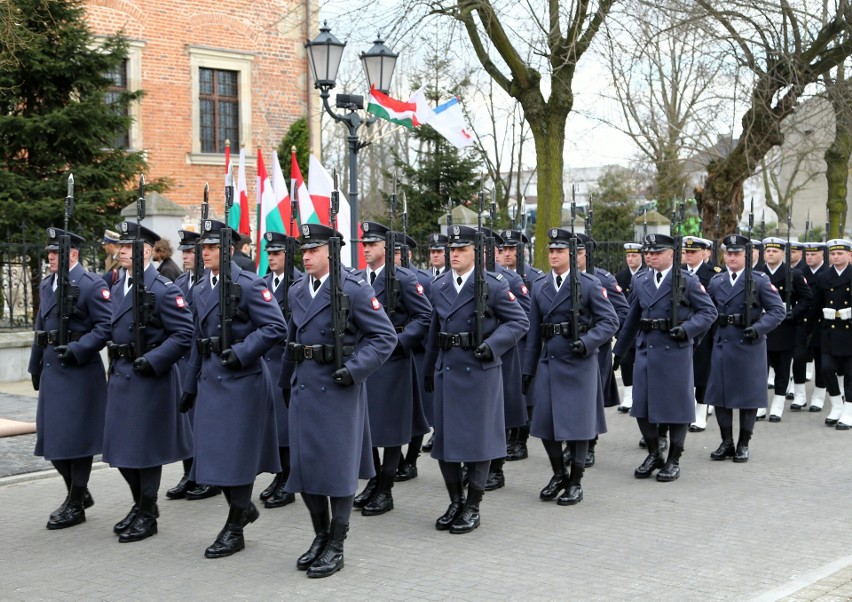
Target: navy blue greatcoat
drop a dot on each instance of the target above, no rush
(72, 398)
(739, 371)
(393, 391)
(469, 417)
(616, 297)
(567, 387)
(663, 389)
(330, 445)
(514, 401)
(234, 428)
(422, 415)
(143, 425)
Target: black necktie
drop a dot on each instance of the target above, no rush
(316, 284)
(372, 277)
(215, 280)
(559, 282)
(129, 281)
(733, 276)
(276, 281)
(437, 272)
(659, 277)
(459, 280)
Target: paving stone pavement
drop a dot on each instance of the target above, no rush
(771, 529)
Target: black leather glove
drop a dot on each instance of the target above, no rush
(36, 380)
(229, 360)
(526, 381)
(63, 354)
(616, 363)
(143, 366)
(678, 333)
(751, 334)
(483, 353)
(578, 347)
(342, 377)
(429, 383)
(187, 400)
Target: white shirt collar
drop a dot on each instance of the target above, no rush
(564, 277)
(464, 278)
(665, 272)
(279, 277)
(322, 280)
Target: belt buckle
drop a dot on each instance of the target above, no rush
(308, 352)
(837, 315)
(455, 340)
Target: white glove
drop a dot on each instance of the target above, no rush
(846, 313)
(828, 313)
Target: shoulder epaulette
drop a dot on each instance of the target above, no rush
(717, 269)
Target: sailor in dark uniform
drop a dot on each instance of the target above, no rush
(467, 378)
(70, 378)
(144, 429)
(815, 265)
(832, 306)
(663, 391)
(633, 258)
(235, 434)
(391, 408)
(330, 446)
(275, 495)
(560, 365)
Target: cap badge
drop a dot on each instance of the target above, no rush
(269, 236)
(52, 233)
(306, 230)
(553, 233)
(456, 230)
(365, 226)
(123, 227)
(652, 238)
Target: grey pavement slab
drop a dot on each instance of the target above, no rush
(768, 529)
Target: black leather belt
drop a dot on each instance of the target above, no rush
(448, 340)
(43, 338)
(212, 345)
(730, 320)
(549, 330)
(126, 351)
(321, 354)
(649, 325)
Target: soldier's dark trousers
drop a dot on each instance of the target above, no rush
(800, 364)
(477, 472)
(837, 364)
(341, 507)
(780, 361)
(725, 418)
(413, 451)
(75, 471)
(579, 450)
(143, 482)
(677, 432)
(389, 463)
(238, 496)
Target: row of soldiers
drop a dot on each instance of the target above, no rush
(326, 385)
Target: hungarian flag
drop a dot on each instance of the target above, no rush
(238, 218)
(395, 111)
(270, 217)
(282, 197)
(298, 191)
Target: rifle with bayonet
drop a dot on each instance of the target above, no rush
(644, 231)
(489, 240)
(447, 263)
(143, 301)
(339, 299)
(403, 249)
(716, 226)
(198, 268)
(678, 283)
(788, 277)
(230, 293)
(66, 293)
(590, 246)
(574, 272)
(480, 286)
(289, 259)
(749, 268)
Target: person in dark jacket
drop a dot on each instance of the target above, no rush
(70, 378)
(163, 254)
(242, 253)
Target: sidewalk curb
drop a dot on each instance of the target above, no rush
(804, 580)
(40, 474)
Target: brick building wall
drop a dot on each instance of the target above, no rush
(261, 39)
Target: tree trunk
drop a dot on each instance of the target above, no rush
(549, 136)
(837, 164)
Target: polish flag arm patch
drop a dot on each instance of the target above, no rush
(524, 290)
(605, 295)
(772, 286)
(375, 304)
(512, 296)
(267, 296)
(105, 294)
(618, 288)
(180, 302)
(419, 288)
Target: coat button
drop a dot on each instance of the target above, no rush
(219, 378)
(447, 369)
(127, 377)
(302, 387)
(47, 365)
(467, 369)
(322, 389)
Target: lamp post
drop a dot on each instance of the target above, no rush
(325, 53)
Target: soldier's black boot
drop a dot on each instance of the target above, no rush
(88, 502)
(276, 482)
(179, 491)
(574, 493)
(280, 497)
(671, 470)
(431, 442)
(726, 448)
(652, 462)
(230, 539)
(457, 501)
(122, 525)
(331, 559)
(72, 513)
(590, 454)
(519, 450)
(321, 521)
(496, 479)
(202, 492)
(558, 481)
(383, 500)
(741, 455)
(363, 498)
(468, 519)
(145, 523)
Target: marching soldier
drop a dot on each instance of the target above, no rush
(70, 378)
(235, 437)
(560, 360)
(738, 374)
(633, 258)
(781, 341)
(329, 429)
(832, 306)
(814, 266)
(663, 391)
(466, 378)
(275, 496)
(187, 488)
(144, 429)
(391, 409)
